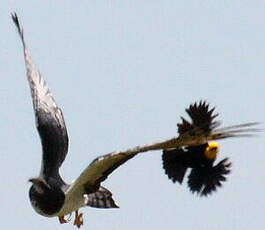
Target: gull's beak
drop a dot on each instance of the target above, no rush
(38, 181)
(31, 180)
(34, 180)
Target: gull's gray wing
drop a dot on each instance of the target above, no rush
(49, 118)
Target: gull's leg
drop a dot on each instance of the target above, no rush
(78, 219)
(62, 220)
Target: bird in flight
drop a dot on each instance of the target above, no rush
(204, 177)
(49, 194)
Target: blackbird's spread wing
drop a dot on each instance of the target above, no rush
(205, 180)
(175, 164)
(203, 128)
(201, 118)
(49, 118)
(177, 161)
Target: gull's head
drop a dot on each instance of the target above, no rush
(39, 184)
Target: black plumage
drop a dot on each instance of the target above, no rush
(204, 177)
(202, 119)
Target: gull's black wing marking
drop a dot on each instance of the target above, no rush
(49, 118)
(201, 118)
(205, 180)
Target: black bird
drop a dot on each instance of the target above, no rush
(50, 196)
(204, 177)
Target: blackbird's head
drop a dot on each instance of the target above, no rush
(212, 150)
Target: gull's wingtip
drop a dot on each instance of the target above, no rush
(15, 19)
(14, 15)
(17, 24)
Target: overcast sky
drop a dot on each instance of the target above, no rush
(123, 72)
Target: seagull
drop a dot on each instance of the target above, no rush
(204, 177)
(49, 194)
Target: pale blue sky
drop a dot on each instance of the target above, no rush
(123, 72)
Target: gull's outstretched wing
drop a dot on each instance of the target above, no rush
(90, 179)
(99, 169)
(49, 118)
